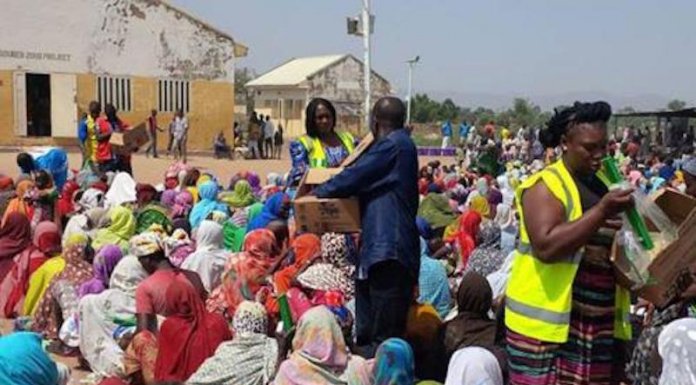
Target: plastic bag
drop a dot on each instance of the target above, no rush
(663, 233)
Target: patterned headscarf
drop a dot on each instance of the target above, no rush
(250, 318)
(178, 247)
(168, 198)
(327, 277)
(145, 244)
(394, 363)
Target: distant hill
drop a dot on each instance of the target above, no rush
(548, 102)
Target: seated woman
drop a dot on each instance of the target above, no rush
(209, 258)
(221, 148)
(394, 363)
(188, 336)
(250, 358)
(474, 365)
(15, 236)
(119, 231)
(322, 146)
(24, 362)
(320, 355)
(13, 289)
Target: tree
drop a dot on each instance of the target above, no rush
(676, 104)
(242, 95)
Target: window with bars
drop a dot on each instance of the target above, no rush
(174, 95)
(114, 90)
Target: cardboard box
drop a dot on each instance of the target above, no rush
(320, 215)
(669, 270)
(124, 143)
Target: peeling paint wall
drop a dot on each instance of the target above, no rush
(119, 37)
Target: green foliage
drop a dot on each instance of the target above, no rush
(676, 104)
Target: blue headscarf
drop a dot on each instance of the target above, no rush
(24, 362)
(207, 192)
(394, 363)
(271, 212)
(433, 285)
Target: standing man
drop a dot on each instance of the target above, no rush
(87, 134)
(446, 134)
(385, 181)
(180, 131)
(463, 132)
(278, 141)
(268, 131)
(262, 133)
(152, 130)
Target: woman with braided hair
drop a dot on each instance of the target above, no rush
(564, 312)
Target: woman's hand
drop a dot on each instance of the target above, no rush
(616, 202)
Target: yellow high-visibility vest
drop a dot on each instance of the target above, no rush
(315, 150)
(539, 294)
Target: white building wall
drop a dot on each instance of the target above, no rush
(117, 37)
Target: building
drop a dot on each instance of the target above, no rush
(284, 91)
(57, 56)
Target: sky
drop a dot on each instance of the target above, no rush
(537, 48)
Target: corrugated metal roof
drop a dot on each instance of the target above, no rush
(295, 71)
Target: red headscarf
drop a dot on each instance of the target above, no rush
(65, 203)
(188, 336)
(145, 193)
(469, 224)
(307, 247)
(15, 236)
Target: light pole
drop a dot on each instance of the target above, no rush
(367, 31)
(410, 63)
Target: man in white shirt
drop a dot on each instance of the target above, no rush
(268, 133)
(180, 133)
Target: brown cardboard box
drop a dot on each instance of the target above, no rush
(123, 143)
(320, 215)
(670, 268)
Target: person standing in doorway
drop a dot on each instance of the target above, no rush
(152, 130)
(446, 134)
(278, 141)
(385, 180)
(268, 131)
(180, 131)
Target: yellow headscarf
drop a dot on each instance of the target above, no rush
(480, 205)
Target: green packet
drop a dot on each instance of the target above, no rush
(125, 321)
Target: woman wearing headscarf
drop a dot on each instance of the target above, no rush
(145, 194)
(394, 363)
(320, 355)
(7, 192)
(487, 257)
(188, 336)
(472, 325)
(480, 205)
(432, 282)
(235, 229)
(66, 203)
(120, 230)
(241, 196)
(19, 204)
(306, 248)
(15, 236)
(104, 264)
(465, 236)
(104, 315)
(474, 365)
(168, 198)
(122, 190)
(63, 289)
(23, 361)
(209, 258)
(208, 203)
(250, 358)
(435, 209)
(183, 202)
(677, 347)
(245, 273)
(277, 207)
(179, 246)
(45, 244)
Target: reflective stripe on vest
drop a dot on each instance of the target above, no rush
(538, 313)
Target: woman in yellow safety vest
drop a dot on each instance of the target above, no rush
(322, 146)
(564, 313)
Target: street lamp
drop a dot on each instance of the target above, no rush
(364, 26)
(410, 63)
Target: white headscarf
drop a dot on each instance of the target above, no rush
(91, 198)
(122, 190)
(474, 366)
(677, 347)
(209, 258)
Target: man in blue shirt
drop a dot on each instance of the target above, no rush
(385, 180)
(463, 132)
(446, 134)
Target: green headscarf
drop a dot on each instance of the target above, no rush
(435, 209)
(242, 196)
